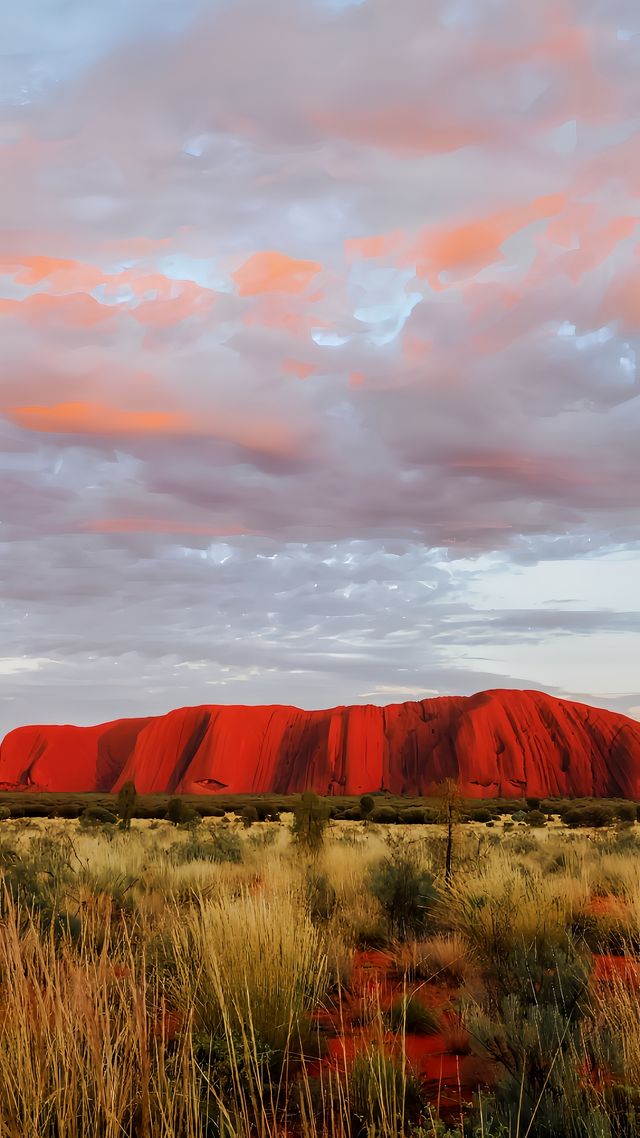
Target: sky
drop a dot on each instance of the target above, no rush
(319, 326)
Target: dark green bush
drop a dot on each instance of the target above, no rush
(595, 814)
(405, 891)
(481, 816)
(222, 845)
(407, 1014)
(249, 816)
(176, 811)
(310, 820)
(191, 819)
(126, 803)
(536, 818)
(351, 815)
(322, 898)
(224, 1066)
(367, 805)
(412, 816)
(385, 815)
(96, 815)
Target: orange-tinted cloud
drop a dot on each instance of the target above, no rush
(277, 312)
(274, 272)
(84, 418)
(298, 368)
(400, 130)
(578, 241)
(596, 246)
(534, 470)
(380, 245)
(168, 526)
(191, 300)
(414, 348)
(263, 434)
(162, 302)
(477, 244)
(77, 310)
(61, 274)
(622, 302)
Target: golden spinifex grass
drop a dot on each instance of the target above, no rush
(150, 986)
(250, 961)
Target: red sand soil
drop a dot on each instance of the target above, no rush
(607, 906)
(496, 743)
(609, 969)
(449, 1080)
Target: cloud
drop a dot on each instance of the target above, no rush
(274, 272)
(95, 419)
(304, 304)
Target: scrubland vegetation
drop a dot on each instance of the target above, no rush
(229, 977)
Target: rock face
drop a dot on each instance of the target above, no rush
(496, 743)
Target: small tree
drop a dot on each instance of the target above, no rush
(367, 806)
(249, 815)
(450, 805)
(176, 811)
(310, 820)
(125, 804)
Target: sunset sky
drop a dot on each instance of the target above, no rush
(319, 323)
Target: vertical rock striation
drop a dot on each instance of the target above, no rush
(496, 743)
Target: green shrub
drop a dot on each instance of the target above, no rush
(407, 1014)
(225, 1065)
(481, 816)
(321, 897)
(262, 839)
(381, 1092)
(385, 815)
(533, 803)
(519, 816)
(191, 819)
(594, 814)
(412, 816)
(5, 813)
(310, 820)
(97, 815)
(175, 811)
(268, 813)
(536, 818)
(353, 814)
(125, 804)
(367, 805)
(626, 811)
(522, 843)
(223, 845)
(249, 816)
(214, 812)
(405, 891)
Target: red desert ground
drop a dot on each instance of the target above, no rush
(497, 743)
